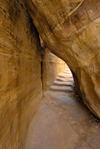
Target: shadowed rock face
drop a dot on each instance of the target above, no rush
(51, 67)
(20, 74)
(71, 30)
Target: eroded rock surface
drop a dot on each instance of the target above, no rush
(71, 30)
(20, 74)
(63, 121)
(51, 67)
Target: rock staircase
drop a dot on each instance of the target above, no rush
(63, 82)
(62, 121)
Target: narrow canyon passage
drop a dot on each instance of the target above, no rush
(57, 119)
(71, 30)
(63, 121)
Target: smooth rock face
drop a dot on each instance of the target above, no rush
(71, 30)
(20, 74)
(51, 66)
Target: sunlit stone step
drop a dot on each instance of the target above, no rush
(61, 88)
(60, 83)
(65, 75)
(67, 69)
(64, 79)
(67, 72)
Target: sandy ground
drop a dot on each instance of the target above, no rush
(63, 121)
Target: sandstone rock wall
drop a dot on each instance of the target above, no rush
(71, 30)
(52, 66)
(20, 73)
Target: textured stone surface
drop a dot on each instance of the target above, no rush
(71, 30)
(64, 85)
(61, 88)
(20, 74)
(60, 83)
(51, 66)
(63, 122)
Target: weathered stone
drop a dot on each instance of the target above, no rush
(61, 88)
(51, 66)
(63, 122)
(71, 30)
(20, 74)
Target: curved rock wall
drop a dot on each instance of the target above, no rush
(51, 67)
(70, 29)
(20, 73)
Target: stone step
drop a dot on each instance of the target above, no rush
(64, 79)
(61, 88)
(68, 72)
(59, 83)
(67, 68)
(65, 75)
